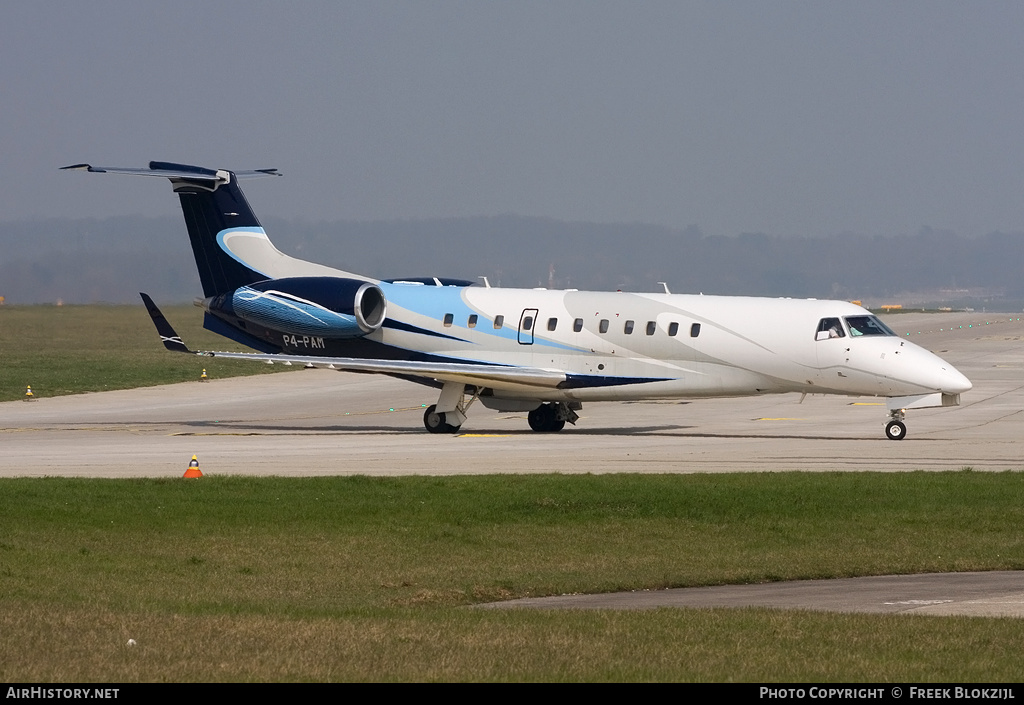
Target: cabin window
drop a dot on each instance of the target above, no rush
(673, 328)
(552, 323)
(695, 330)
(867, 325)
(829, 328)
(577, 325)
(472, 320)
(448, 319)
(651, 327)
(628, 328)
(499, 321)
(602, 327)
(527, 322)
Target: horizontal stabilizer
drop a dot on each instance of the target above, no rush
(172, 171)
(231, 248)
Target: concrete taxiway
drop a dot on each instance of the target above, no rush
(990, 594)
(318, 422)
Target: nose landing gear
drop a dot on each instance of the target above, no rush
(896, 430)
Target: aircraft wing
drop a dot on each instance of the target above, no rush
(469, 373)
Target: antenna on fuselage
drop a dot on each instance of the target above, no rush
(666, 287)
(487, 284)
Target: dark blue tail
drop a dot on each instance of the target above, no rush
(213, 207)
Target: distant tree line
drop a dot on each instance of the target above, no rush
(89, 260)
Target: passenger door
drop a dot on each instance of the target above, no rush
(527, 324)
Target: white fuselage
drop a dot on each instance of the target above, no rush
(660, 345)
(520, 349)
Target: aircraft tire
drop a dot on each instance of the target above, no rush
(895, 430)
(536, 418)
(544, 419)
(434, 421)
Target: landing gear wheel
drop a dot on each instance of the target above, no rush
(536, 418)
(895, 431)
(435, 422)
(544, 419)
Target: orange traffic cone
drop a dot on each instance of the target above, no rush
(193, 468)
(203, 377)
(28, 395)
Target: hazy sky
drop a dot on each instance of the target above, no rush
(806, 118)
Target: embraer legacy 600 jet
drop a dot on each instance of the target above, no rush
(539, 351)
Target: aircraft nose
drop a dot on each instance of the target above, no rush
(953, 381)
(926, 370)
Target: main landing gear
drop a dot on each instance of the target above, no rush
(449, 413)
(437, 421)
(551, 417)
(544, 419)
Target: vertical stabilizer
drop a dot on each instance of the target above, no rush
(230, 246)
(215, 209)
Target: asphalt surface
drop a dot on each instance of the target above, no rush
(318, 422)
(993, 594)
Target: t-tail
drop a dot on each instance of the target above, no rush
(231, 248)
(218, 218)
(253, 293)
(216, 212)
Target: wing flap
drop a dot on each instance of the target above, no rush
(482, 374)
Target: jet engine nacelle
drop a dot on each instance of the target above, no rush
(325, 307)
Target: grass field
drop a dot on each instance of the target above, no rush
(312, 579)
(373, 578)
(75, 349)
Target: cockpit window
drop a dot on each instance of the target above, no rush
(829, 328)
(867, 325)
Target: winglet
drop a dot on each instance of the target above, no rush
(171, 340)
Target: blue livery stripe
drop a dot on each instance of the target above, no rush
(585, 381)
(399, 325)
